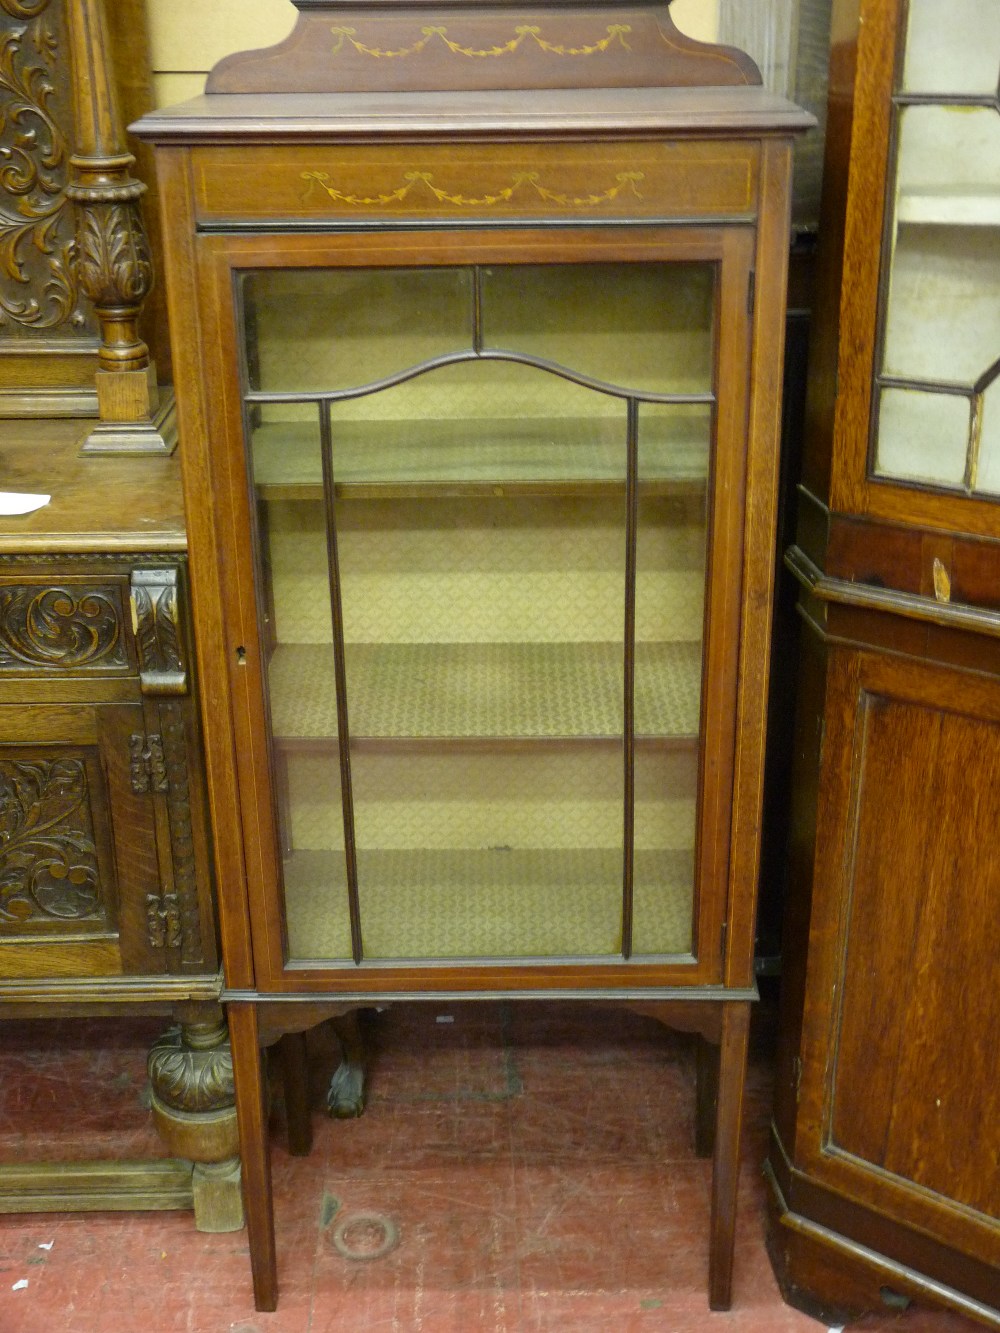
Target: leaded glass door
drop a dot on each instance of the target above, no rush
(483, 498)
(937, 405)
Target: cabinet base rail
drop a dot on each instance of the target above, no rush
(722, 1030)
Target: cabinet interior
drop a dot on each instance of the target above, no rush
(515, 503)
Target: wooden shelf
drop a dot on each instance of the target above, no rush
(388, 459)
(488, 903)
(491, 690)
(952, 206)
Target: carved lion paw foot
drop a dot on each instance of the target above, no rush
(345, 1098)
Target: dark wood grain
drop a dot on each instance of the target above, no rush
(344, 48)
(99, 504)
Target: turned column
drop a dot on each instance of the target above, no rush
(113, 259)
(194, 1108)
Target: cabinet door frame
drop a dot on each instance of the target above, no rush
(225, 599)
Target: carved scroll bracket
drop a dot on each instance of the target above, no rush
(156, 622)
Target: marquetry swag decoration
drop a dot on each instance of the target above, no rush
(568, 46)
(526, 180)
(616, 32)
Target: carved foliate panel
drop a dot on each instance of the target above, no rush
(49, 871)
(40, 296)
(61, 627)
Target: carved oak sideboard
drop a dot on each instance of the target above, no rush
(105, 888)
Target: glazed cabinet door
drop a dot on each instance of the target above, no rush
(80, 877)
(900, 1085)
(496, 683)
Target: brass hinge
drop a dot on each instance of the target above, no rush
(163, 920)
(148, 767)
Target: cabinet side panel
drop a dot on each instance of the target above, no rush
(802, 819)
(915, 1079)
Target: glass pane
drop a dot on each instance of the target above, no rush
(297, 623)
(315, 871)
(463, 852)
(923, 436)
(310, 331)
(953, 48)
(480, 517)
(484, 657)
(670, 610)
(479, 425)
(943, 319)
(948, 165)
(644, 326)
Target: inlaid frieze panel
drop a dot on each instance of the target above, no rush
(61, 627)
(49, 871)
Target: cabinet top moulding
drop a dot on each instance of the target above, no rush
(563, 113)
(359, 73)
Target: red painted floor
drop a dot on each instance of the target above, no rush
(534, 1163)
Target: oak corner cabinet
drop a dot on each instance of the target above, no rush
(883, 1161)
(106, 903)
(478, 320)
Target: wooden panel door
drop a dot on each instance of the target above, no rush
(81, 890)
(900, 1089)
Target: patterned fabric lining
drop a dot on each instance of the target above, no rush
(493, 903)
(489, 690)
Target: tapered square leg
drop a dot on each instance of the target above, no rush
(706, 1095)
(295, 1081)
(726, 1161)
(251, 1111)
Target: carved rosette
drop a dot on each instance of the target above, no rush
(48, 859)
(39, 290)
(191, 1068)
(60, 627)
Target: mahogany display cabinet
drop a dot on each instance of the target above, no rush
(478, 320)
(883, 1164)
